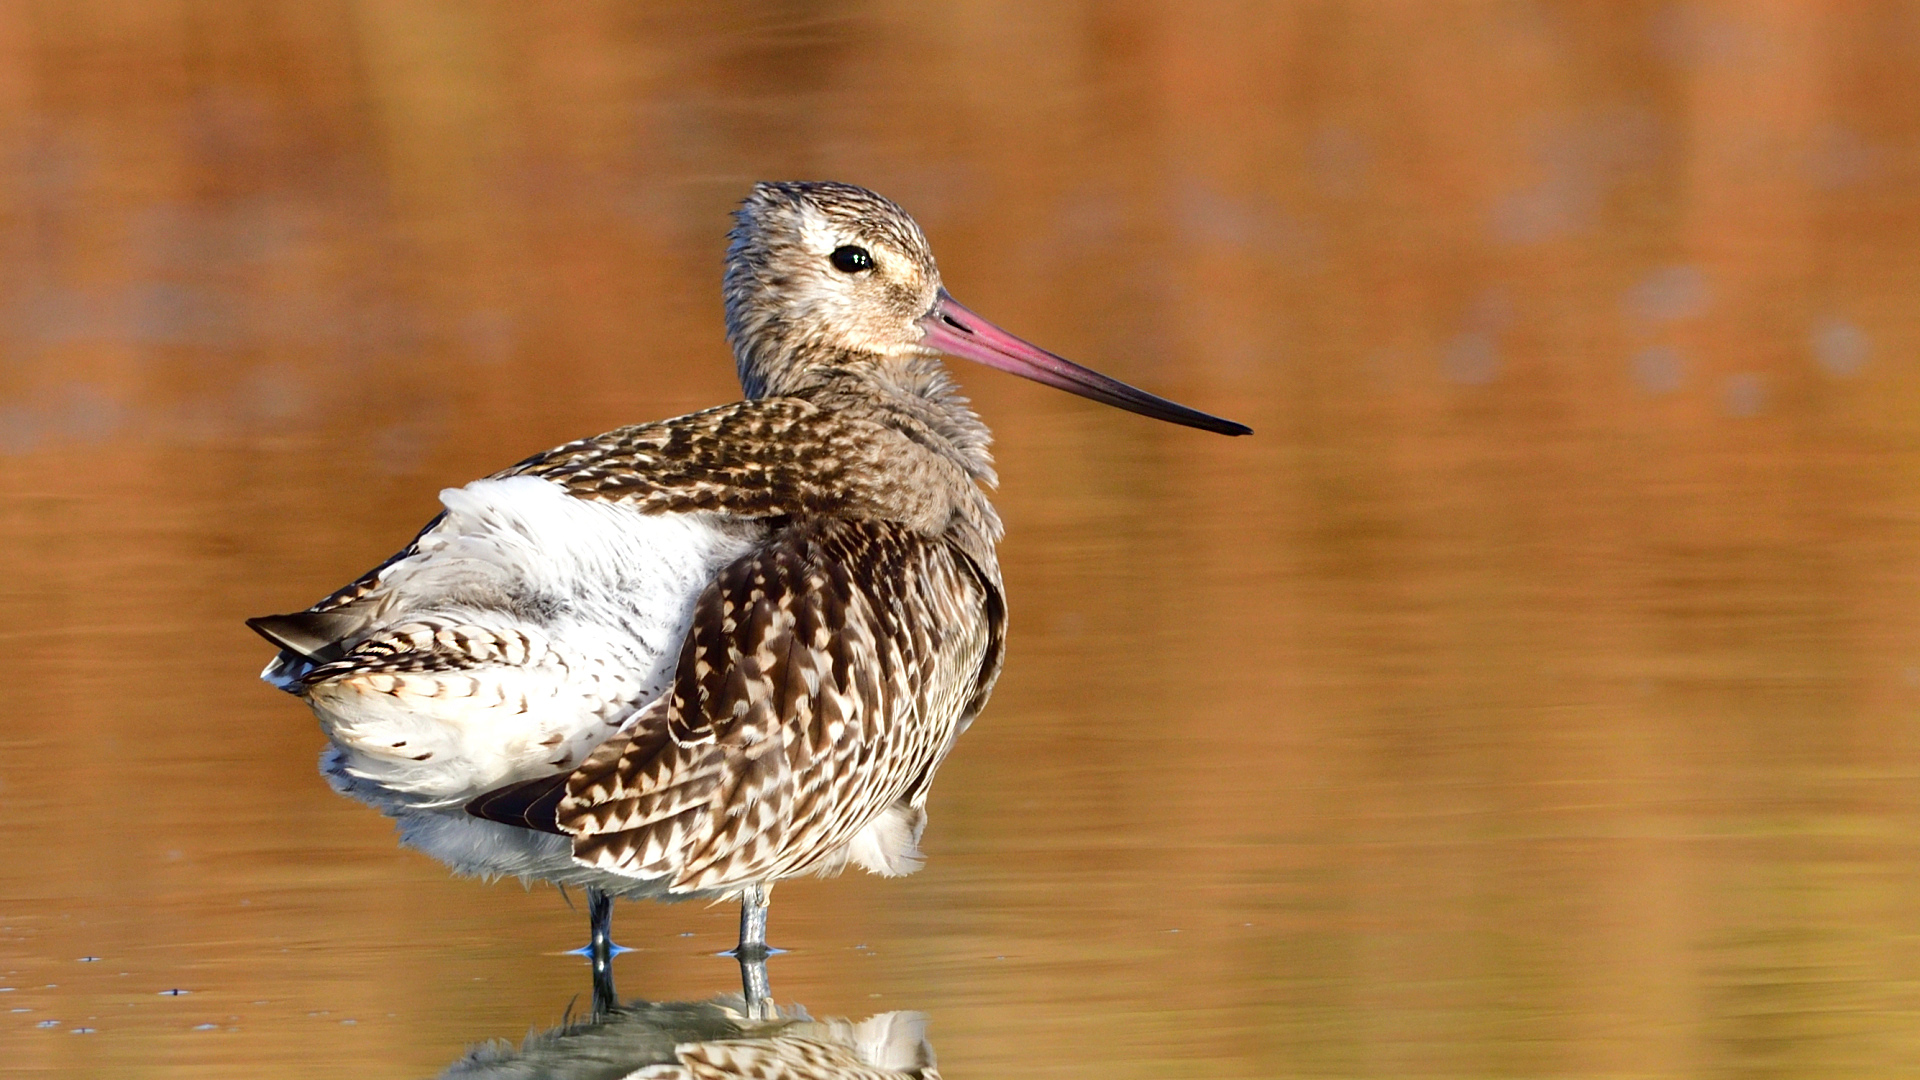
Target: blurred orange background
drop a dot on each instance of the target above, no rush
(1533, 695)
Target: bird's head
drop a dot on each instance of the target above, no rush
(827, 275)
(823, 272)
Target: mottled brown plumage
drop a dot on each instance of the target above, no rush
(825, 678)
(785, 457)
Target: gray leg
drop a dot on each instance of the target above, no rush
(753, 923)
(600, 950)
(752, 952)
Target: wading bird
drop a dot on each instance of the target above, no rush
(691, 658)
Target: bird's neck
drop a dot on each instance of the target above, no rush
(913, 394)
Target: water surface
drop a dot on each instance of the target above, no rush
(1533, 695)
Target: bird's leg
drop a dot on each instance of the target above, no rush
(756, 988)
(753, 923)
(600, 951)
(752, 952)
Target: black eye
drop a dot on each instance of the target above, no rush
(850, 259)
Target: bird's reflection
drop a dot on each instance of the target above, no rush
(710, 1040)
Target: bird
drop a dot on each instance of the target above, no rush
(691, 658)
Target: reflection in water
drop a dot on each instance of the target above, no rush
(669, 1040)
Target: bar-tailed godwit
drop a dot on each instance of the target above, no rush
(694, 657)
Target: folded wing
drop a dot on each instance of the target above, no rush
(823, 680)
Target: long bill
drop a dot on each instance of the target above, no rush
(954, 330)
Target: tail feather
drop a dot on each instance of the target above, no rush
(530, 804)
(317, 635)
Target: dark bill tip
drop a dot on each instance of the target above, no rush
(953, 329)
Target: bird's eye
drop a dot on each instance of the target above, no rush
(850, 259)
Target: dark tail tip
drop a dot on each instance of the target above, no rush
(315, 635)
(530, 804)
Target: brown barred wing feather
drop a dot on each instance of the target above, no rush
(769, 459)
(823, 680)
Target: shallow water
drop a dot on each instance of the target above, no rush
(1533, 695)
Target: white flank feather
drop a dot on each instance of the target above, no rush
(580, 606)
